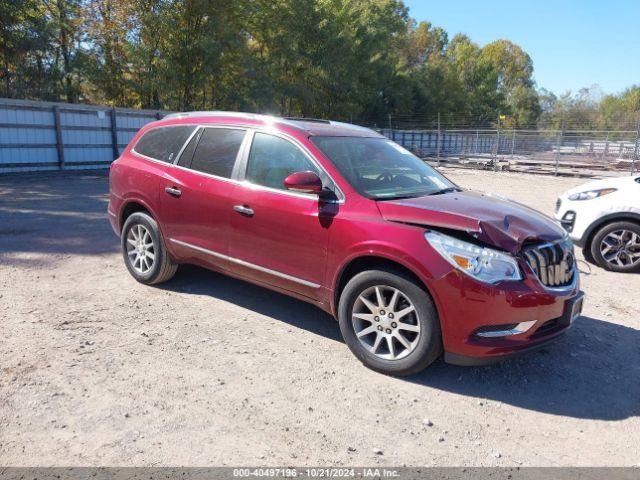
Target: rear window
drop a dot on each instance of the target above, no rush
(163, 143)
(217, 151)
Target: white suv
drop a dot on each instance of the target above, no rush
(603, 217)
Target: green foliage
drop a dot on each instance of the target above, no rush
(358, 60)
(590, 109)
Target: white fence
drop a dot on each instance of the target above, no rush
(41, 136)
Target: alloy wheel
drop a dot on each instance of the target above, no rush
(621, 248)
(386, 322)
(141, 251)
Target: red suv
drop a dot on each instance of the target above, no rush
(339, 216)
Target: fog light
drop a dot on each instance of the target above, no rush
(505, 330)
(568, 220)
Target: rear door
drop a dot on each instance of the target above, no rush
(279, 237)
(150, 158)
(197, 196)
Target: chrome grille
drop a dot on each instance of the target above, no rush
(553, 263)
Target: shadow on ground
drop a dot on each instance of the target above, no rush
(591, 372)
(55, 213)
(199, 281)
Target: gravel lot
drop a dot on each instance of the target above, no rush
(96, 369)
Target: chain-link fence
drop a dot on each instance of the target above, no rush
(575, 148)
(540, 151)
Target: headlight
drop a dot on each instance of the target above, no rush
(484, 264)
(591, 194)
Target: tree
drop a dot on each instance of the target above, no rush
(65, 20)
(514, 70)
(620, 111)
(107, 24)
(344, 59)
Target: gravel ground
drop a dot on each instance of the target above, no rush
(96, 369)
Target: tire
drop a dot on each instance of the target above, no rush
(161, 268)
(624, 254)
(426, 345)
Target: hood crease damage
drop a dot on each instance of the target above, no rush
(493, 220)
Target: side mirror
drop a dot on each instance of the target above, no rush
(304, 182)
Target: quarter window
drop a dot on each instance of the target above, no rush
(187, 154)
(217, 151)
(163, 143)
(272, 159)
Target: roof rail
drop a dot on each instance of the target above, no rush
(305, 119)
(208, 113)
(293, 121)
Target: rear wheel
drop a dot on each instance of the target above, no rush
(389, 322)
(143, 250)
(616, 247)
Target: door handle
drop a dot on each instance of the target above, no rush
(243, 210)
(173, 191)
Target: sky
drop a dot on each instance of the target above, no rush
(573, 44)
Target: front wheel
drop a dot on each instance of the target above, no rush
(144, 252)
(616, 247)
(389, 322)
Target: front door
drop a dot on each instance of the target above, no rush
(279, 237)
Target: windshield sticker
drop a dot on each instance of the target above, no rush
(437, 181)
(402, 150)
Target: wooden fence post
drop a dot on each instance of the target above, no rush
(59, 141)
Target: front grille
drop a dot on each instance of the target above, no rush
(553, 263)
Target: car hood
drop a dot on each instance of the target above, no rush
(492, 219)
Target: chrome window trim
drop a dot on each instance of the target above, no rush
(198, 125)
(238, 154)
(246, 264)
(193, 134)
(208, 175)
(245, 164)
(237, 176)
(133, 149)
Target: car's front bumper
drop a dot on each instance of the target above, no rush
(480, 308)
(543, 335)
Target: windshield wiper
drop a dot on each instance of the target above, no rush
(400, 197)
(445, 190)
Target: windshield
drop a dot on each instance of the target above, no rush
(381, 169)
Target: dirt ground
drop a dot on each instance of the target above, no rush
(96, 369)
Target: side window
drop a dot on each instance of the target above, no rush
(163, 143)
(272, 159)
(217, 151)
